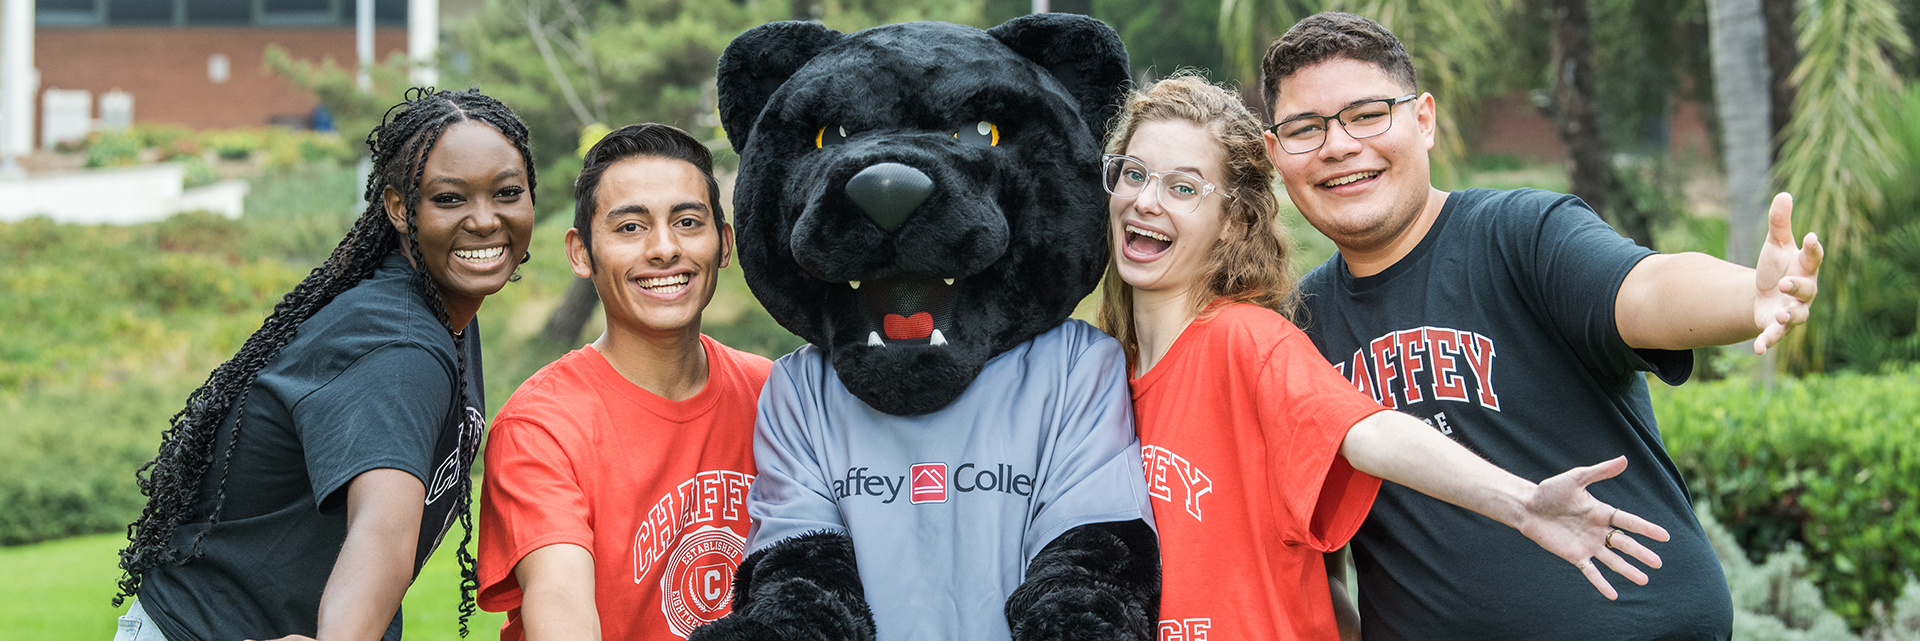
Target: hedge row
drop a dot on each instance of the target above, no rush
(1830, 462)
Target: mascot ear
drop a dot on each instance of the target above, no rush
(757, 63)
(1084, 54)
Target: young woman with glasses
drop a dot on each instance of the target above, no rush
(1259, 455)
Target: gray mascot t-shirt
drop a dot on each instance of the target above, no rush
(947, 509)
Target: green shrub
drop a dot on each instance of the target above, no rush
(235, 144)
(170, 139)
(1827, 462)
(112, 149)
(1774, 601)
(81, 302)
(68, 455)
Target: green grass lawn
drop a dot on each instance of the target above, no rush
(62, 590)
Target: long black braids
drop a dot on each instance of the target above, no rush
(173, 480)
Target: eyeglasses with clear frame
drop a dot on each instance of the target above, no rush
(1180, 192)
(1301, 134)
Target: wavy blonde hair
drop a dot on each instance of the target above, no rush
(1253, 263)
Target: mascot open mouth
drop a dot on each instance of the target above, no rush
(907, 310)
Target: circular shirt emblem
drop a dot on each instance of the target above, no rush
(697, 586)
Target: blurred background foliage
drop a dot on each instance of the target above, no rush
(1813, 474)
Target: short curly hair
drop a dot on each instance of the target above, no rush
(1328, 35)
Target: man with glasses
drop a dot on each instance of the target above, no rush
(1517, 323)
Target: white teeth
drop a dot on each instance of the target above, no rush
(949, 282)
(1350, 178)
(873, 340)
(854, 284)
(664, 281)
(937, 339)
(1150, 234)
(480, 255)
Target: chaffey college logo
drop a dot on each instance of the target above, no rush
(929, 482)
(932, 483)
(691, 530)
(698, 584)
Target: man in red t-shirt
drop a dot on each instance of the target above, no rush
(614, 504)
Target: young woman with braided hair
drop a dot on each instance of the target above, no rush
(307, 481)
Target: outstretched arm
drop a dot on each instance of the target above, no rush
(1683, 301)
(1099, 581)
(1558, 513)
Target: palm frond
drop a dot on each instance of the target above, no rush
(1839, 147)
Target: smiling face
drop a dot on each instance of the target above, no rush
(474, 217)
(1363, 193)
(657, 248)
(1161, 252)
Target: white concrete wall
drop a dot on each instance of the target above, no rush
(117, 196)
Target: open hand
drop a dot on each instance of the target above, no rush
(1787, 276)
(1563, 518)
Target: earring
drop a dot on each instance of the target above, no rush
(526, 257)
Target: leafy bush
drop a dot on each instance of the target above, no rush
(112, 149)
(1774, 601)
(199, 173)
(172, 140)
(108, 328)
(1826, 462)
(236, 144)
(65, 472)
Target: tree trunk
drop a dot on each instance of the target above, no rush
(1577, 117)
(576, 308)
(1783, 54)
(1743, 95)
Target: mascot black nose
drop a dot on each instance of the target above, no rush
(888, 192)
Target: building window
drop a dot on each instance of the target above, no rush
(66, 12)
(297, 12)
(219, 11)
(386, 13)
(259, 13)
(139, 12)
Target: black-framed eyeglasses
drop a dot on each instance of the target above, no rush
(1180, 192)
(1301, 134)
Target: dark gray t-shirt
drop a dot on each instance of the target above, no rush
(366, 383)
(947, 509)
(1498, 330)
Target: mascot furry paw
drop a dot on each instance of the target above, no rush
(950, 457)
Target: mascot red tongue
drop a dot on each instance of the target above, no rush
(951, 457)
(919, 325)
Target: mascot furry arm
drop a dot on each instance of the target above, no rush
(922, 203)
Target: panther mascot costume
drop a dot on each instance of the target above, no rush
(951, 457)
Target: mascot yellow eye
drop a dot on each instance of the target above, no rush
(829, 136)
(983, 133)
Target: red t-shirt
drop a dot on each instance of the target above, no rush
(1240, 430)
(655, 489)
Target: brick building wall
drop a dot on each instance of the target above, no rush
(1510, 125)
(166, 69)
